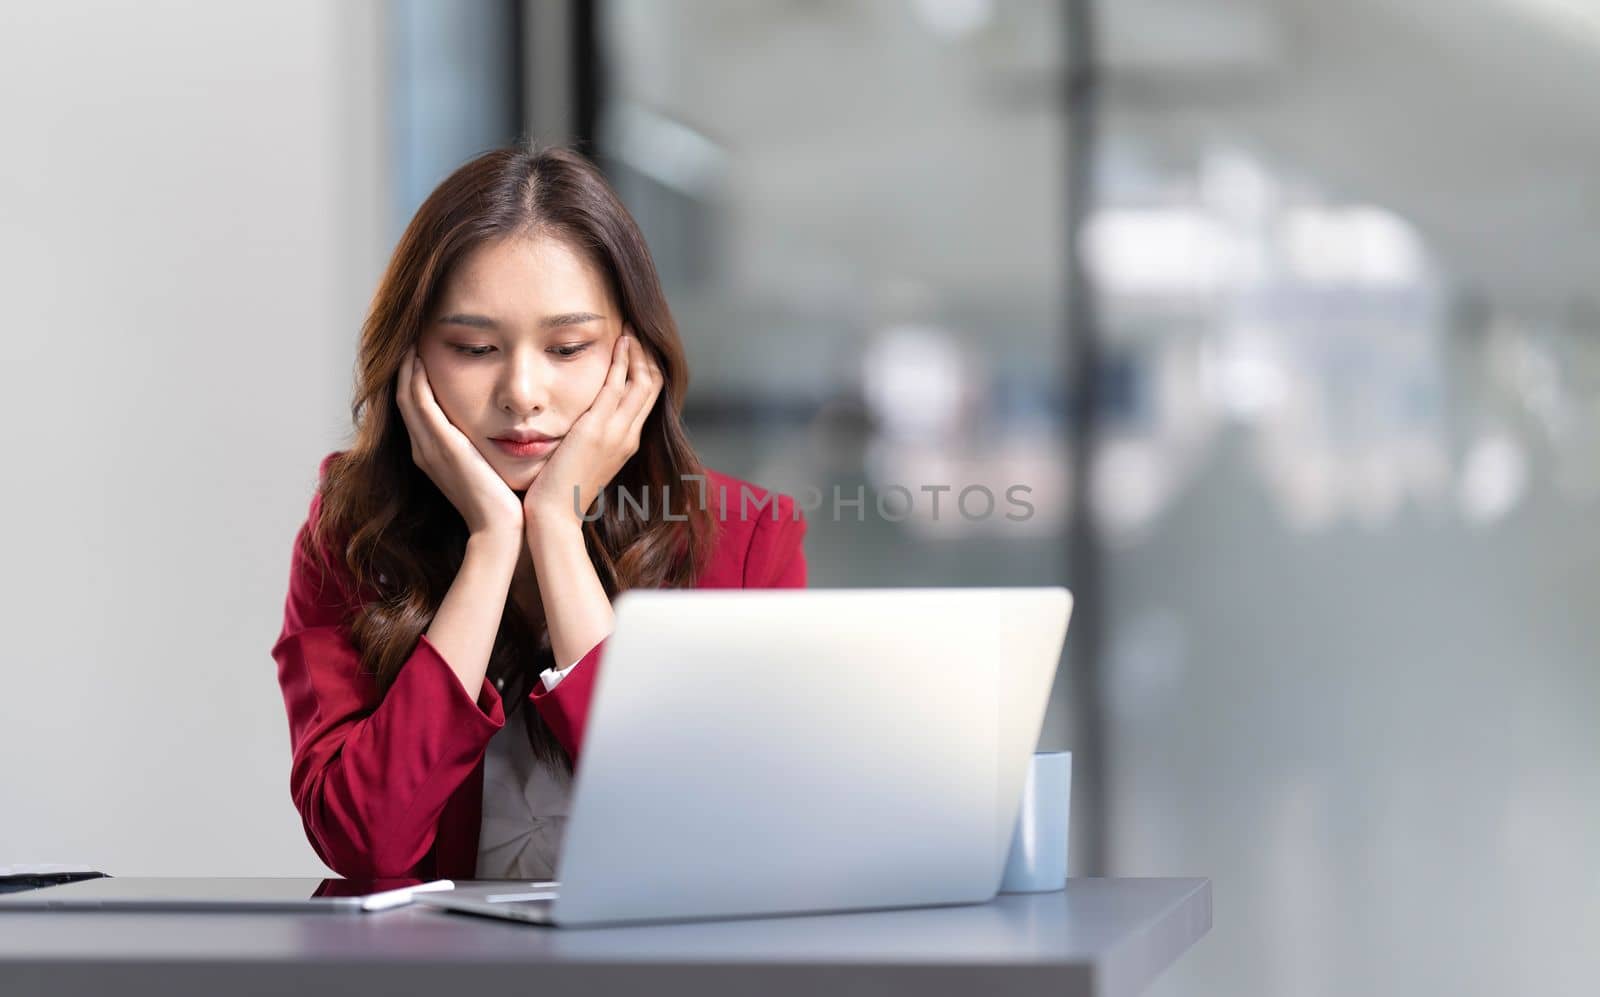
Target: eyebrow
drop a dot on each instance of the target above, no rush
(547, 322)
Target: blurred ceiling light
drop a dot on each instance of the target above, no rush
(954, 19)
(1132, 485)
(1242, 374)
(912, 379)
(1235, 184)
(669, 152)
(1493, 478)
(1155, 251)
(1355, 245)
(889, 464)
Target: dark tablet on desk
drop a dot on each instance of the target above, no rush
(183, 893)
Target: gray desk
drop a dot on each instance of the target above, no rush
(1098, 937)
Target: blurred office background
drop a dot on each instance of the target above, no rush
(1288, 314)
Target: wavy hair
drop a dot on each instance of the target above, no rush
(399, 537)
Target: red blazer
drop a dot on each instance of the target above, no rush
(393, 785)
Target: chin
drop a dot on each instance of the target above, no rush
(519, 482)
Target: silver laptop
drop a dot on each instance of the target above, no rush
(762, 752)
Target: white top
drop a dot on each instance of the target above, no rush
(524, 801)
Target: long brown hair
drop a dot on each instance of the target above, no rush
(400, 539)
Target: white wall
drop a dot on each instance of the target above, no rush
(189, 231)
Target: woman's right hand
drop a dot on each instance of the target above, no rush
(447, 456)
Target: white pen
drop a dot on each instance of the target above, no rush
(402, 896)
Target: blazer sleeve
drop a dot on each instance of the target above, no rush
(370, 775)
(775, 558)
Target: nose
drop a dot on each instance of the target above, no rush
(524, 390)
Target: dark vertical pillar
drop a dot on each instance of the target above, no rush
(1085, 636)
(588, 77)
(516, 40)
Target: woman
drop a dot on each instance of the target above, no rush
(518, 461)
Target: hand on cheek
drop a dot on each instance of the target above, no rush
(448, 457)
(599, 442)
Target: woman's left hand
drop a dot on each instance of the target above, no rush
(600, 441)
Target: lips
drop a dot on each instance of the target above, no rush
(523, 437)
(531, 448)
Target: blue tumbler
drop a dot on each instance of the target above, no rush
(1038, 860)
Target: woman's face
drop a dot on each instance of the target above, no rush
(521, 340)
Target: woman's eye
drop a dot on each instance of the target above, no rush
(564, 352)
